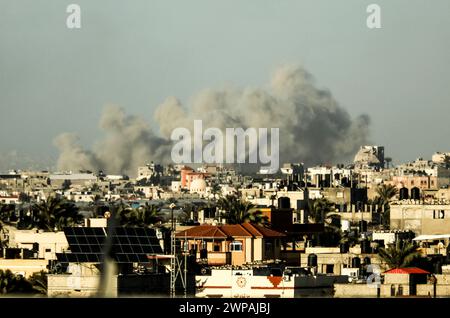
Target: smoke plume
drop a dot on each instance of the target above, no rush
(314, 129)
(128, 142)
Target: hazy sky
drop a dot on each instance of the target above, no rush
(136, 53)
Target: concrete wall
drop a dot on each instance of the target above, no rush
(364, 290)
(50, 243)
(67, 285)
(420, 218)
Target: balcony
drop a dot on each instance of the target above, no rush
(215, 258)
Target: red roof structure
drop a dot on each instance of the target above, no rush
(205, 231)
(229, 230)
(406, 270)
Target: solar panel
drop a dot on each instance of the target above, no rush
(129, 245)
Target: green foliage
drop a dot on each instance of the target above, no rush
(318, 209)
(238, 211)
(385, 193)
(143, 216)
(398, 255)
(39, 282)
(6, 212)
(14, 284)
(55, 213)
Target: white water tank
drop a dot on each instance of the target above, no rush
(345, 225)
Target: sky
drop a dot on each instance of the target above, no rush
(135, 54)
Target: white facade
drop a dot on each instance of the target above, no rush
(50, 243)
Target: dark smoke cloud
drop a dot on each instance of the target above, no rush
(313, 127)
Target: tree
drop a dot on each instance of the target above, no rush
(385, 193)
(142, 216)
(216, 189)
(14, 284)
(322, 211)
(23, 197)
(7, 212)
(318, 209)
(398, 255)
(238, 211)
(55, 213)
(39, 282)
(96, 205)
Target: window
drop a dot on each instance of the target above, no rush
(47, 250)
(439, 214)
(330, 268)
(216, 247)
(236, 246)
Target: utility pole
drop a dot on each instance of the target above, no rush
(175, 263)
(173, 255)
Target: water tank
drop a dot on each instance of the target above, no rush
(415, 193)
(356, 262)
(344, 247)
(362, 226)
(437, 267)
(365, 247)
(284, 203)
(312, 260)
(204, 253)
(345, 225)
(403, 193)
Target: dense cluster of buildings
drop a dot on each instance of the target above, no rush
(323, 229)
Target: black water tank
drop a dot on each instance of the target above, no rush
(204, 253)
(404, 194)
(365, 247)
(312, 260)
(193, 251)
(415, 193)
(362, 226)
(380, 243)
(344, 247)
(356, 262)
(284, 203)
(437, 267)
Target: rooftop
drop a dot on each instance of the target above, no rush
(406, 270)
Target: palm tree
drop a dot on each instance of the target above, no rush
(142, 216)
(96, 204)
(322, 211)
(398, 255)
(239, 211)
(39, 282)
(385, 193)
(11, 284)
(55, 213)
(149, 214)
(318, 209)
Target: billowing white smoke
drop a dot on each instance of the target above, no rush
(313, 127)
(128, 142)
